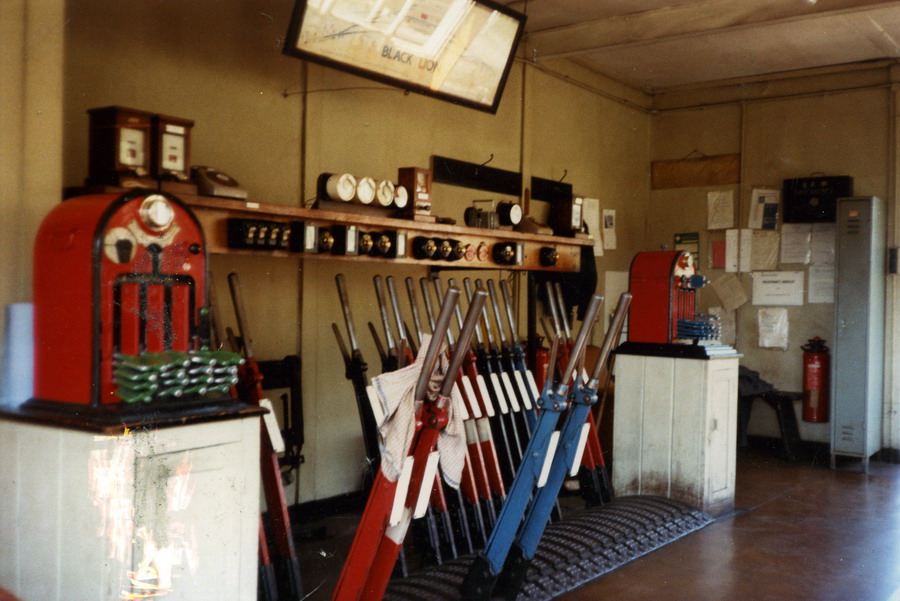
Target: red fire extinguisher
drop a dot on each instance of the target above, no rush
(816, 380)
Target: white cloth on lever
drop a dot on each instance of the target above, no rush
(396, 391)
(452, 442)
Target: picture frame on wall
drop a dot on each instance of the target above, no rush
(456, 50)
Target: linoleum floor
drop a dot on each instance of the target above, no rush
(800, 531)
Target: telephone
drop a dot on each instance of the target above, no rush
(213, 182)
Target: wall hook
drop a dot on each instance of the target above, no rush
(565, 173)
(490, 158)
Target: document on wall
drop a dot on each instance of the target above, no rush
(773, 327)
(609, 229)
(591, 212)
(730, 291)
(822, 244)
(717, 254)
(765, 250)
(795, 242)
(764, 209)
(821, 284)
(731, 250)
(719, 209)
(778, 288)
(745, 250)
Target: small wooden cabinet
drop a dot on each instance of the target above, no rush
(675, 429)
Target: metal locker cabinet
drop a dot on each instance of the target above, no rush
(858, 370)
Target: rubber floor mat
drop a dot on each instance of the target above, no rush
(582, 547)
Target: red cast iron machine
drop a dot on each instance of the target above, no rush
(663, 286)
(120, 309)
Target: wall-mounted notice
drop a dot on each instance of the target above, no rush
(765, 250)
(822, 244)
(719, 209)
(609, 229)
(821, 284)
(778, 288)
(591, 207)
(731, 251)
(746, 250)
(795, 242)
(730, 292)
(717, 254)
(773, 328)
(764, 209)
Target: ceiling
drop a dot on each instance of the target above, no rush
(655, 45)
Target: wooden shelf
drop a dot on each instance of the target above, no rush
(214, 213)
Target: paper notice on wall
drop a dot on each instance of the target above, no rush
(773, 328)
(765, 250)
(591, 208)
(726, 321)
(822, 244)
(764, 209)
(821, 284)
(732, 250)
(719, 209)
(778, 288)
(795, 242)
(609, 229)
(717, 254)
(730, 291)
(745, 250)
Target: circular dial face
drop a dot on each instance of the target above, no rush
(385, 193)
(119, 245)
(341, 187)
(508, 213)
(514, 213)
(157, 213)
(401, 197)
(365, 190)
